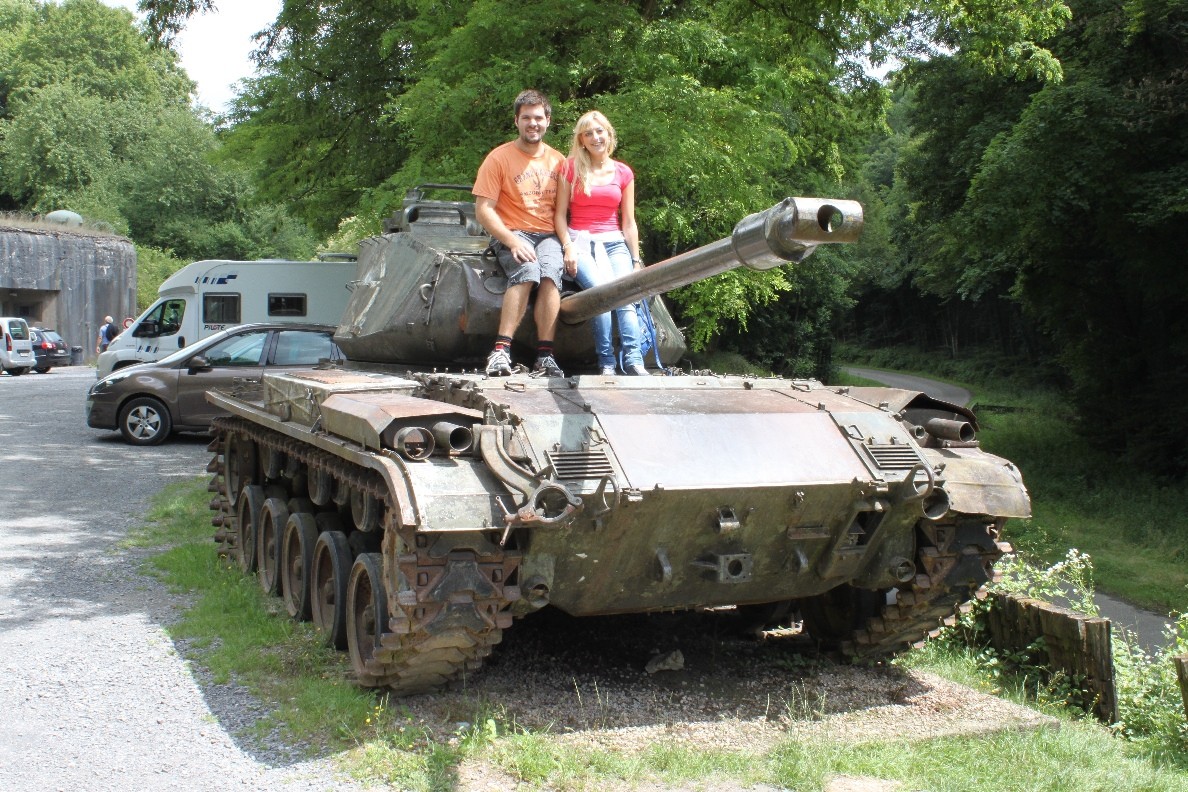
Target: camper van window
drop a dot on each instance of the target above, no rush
(286, 305)
(165, 319)
(220, 309)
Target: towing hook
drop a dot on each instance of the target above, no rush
(550, 504)
(600, 504)
(912, 490)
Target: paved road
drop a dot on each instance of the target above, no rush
(93, 692)
(938, 390)
(1146, 626)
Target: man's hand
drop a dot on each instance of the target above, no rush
(522, 251)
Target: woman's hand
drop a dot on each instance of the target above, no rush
(570, 262)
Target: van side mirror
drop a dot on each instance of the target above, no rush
(198, 363)
(146, 329)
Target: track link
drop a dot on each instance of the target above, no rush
(448, 602)
(951, 577)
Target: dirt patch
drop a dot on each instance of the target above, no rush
(585, 681)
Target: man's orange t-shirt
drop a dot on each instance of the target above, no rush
(524, 188)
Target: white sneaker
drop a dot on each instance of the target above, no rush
(499, 364)
(546, 366)
(638, 371)
(608, 371)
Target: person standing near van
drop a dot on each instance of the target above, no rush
(107, 334)
(595, 221)
(515, 192)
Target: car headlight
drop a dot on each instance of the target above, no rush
(107, 382)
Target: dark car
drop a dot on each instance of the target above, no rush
(148, 401)
(49, 348)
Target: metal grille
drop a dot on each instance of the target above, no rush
(893, 457)
(571, 465)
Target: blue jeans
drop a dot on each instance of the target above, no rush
(589, 274)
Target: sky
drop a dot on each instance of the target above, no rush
(215, 47)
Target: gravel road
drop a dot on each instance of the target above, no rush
(97, 697)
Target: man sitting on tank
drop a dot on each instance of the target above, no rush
(515, 192)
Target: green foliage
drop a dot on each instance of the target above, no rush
(153, 266)
(1150, 707)
(1036, 192)
(95, 119)
(722, 108)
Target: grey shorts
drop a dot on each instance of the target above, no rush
(550, 261)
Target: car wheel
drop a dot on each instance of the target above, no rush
(16, 372)
(41, 369)
(145, 421)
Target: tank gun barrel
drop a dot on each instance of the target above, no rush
(788, 231)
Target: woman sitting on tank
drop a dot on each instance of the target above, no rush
(595, 221)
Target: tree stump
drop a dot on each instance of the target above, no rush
(1074, 644)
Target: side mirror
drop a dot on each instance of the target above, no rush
(146, 329)
(198, 363)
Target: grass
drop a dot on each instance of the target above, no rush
(236, 632)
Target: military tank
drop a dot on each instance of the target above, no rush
(414, 508)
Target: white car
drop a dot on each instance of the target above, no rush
(16, 352)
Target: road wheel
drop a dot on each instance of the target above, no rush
(367, 610)
(247, 518)
(145, 421)
(41, 369)
(239, 460)
(320, 485)
(366, 510)
(270, 535)
(301, 534)
(328, 587)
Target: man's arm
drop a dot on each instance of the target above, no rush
(484, 211)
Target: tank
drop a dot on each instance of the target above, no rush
(414, 509)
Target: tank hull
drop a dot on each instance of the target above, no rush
(550, 492)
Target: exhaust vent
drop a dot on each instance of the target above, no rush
(577, 465)
(893, 457)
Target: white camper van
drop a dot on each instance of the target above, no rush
(208, 296)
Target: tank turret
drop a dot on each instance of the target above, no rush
(428, 294)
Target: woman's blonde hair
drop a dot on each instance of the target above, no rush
(581, 157)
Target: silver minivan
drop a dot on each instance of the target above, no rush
(16, 351)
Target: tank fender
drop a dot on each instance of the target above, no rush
(980, 483)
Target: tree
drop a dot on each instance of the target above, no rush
(723, 107)
(96, 119)
(1069, 198)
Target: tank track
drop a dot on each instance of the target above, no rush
(453, 594)
(956, 565)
